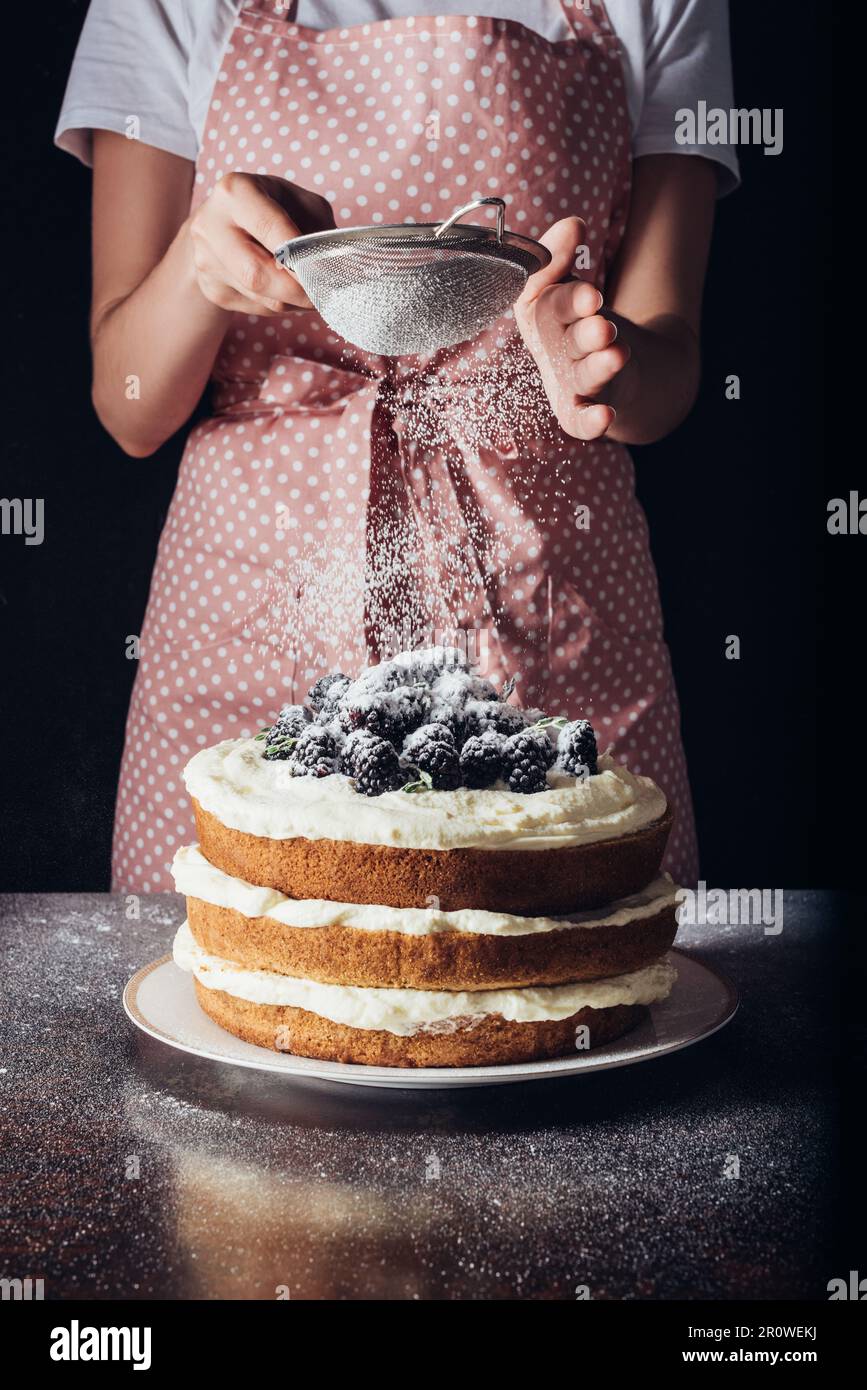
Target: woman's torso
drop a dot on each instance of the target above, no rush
(336, 501)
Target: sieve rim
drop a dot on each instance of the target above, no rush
(461, 231)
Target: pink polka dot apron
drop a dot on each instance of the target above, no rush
(338, 503)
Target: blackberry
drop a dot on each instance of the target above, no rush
(415, 702)
(377, 679)
(427, 733)
(315, 753)
(322, 692)
(450, 718)
(482, 759)
(429, 663)
(352, 749)
(532, 716)
(576, 748)
(452, 687)
(478, 688)
(547, 745)
(333, 699)
(377, 767)
(331, 708)
(389, 714)
(288, 725)
(525, 764)
(482, 716)
(432, 749)
(290, 721)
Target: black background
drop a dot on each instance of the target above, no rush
(736, 498)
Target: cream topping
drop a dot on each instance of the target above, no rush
(195, 877)
(245, 792)
(408, 1011)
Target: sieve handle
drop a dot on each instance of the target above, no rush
(470, 207)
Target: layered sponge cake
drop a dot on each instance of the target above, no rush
(409, 870)
(574, 843)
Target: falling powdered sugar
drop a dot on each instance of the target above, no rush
(428, 554)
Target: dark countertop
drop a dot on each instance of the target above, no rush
(246, 1182)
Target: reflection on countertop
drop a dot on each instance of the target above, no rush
(143, 1172)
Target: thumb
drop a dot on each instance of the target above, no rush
(562, 240)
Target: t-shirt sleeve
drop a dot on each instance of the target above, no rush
(130, 74)
(687, 60)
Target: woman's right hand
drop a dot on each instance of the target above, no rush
(235, 232)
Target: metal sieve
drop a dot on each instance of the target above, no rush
(413, 287)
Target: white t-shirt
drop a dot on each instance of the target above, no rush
(158, 60)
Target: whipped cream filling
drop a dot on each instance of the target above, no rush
(195, 877)
(245, 792)
(408, 1011)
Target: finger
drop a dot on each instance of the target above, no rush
(562, 240)
(220, 285)
(260, 216)
(249, 267)
(590, 335)
(566, 303)
(590, 421)
(309, 211)
(253, 304)
(275, 306)
(595, 371)
(225, 295)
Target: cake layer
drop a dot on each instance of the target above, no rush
(247, 793)
(406, 1012)
(195, 877)
(415, 948)
(492, 1041)
(526, 882)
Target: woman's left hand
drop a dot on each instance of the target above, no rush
(575, 346)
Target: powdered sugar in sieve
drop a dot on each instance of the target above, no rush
(413, 288)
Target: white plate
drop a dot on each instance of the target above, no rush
(161, 1001)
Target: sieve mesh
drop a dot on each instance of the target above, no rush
(407, 290)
